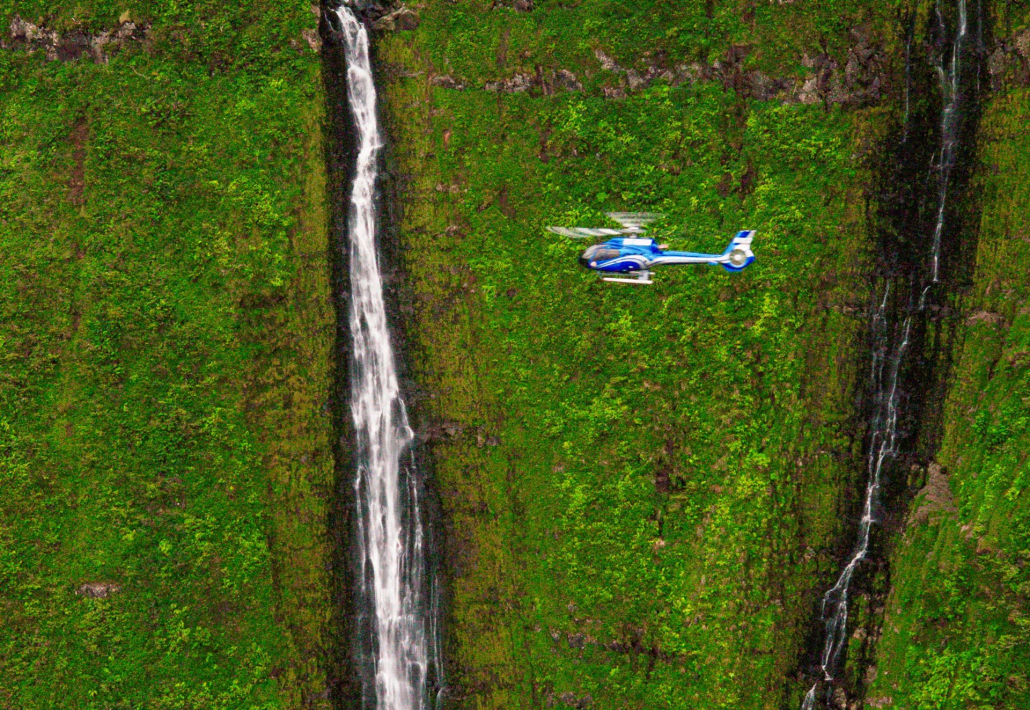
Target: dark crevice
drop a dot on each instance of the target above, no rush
(340, 146)
(916, 176)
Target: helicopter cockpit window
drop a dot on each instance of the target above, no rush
(599, 253)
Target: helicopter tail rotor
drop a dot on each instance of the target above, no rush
(738, 254)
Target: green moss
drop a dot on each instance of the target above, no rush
(956, 629)
(165, 332)
(644, 487)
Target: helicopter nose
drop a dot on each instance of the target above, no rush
(584, 261)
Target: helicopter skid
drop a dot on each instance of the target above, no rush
(642, 278)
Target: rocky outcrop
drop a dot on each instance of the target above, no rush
(937, 496)
(548, 82)
(447, 82)
(98, 590)
(74, 44)
(402, 18)
(861, 80)
(386, 15)
(518, 84)
(1010, 60)
(517, 5)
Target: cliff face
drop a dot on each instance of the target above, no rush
(165, 353)
(644, 491)
(956, 629)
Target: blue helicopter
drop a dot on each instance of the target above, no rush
(637, 255)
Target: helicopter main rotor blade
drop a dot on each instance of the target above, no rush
(584, 232)
(634, 220)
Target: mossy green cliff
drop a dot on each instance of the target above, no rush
(643, 492)
(165, 357)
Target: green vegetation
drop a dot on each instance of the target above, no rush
(957, 627)
(165, 335)
(644, 490)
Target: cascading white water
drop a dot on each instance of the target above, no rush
(390, 535)
(949, 75)
(883, 441)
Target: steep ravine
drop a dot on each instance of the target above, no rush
(953, 630)
(390, 586)
(927, 229)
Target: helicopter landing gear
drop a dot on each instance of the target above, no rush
(641, 278)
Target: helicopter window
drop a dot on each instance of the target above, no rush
(601, 253)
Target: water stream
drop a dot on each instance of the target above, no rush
(399, 642)
(892, 336)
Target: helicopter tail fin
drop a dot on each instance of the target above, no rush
(738, 254)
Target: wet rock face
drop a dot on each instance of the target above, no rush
(72, 45)
(400, 19)
(386, 15)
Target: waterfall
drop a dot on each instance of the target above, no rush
(398, 625)
(891, 344)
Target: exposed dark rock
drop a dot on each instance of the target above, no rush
(400, 19)
(446, 81)
(567, 80)
(74, 44)
(547, 83)
(1009, 61)
(518, 84)
(440, 432)
(517, 5)
(98, 590)
(859, 82)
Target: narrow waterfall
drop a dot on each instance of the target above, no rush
(894, 328)
(399, 640)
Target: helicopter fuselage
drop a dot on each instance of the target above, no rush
(624, 255)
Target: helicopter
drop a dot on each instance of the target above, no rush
(628, 253)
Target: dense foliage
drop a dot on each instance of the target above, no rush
(642, 488)
(644, 491)
(164, 337)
